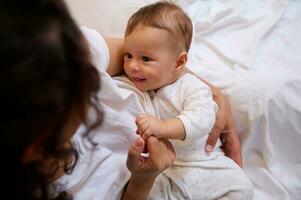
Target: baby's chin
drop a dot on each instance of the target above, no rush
(144, 86)
(145, 89)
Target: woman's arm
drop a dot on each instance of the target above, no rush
(116, 56)
(145, 170)
(223, 128)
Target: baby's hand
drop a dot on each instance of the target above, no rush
(148, 125)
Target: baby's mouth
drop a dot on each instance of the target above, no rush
(139, 79)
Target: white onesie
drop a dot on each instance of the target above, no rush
(194, 174)
(190, 100)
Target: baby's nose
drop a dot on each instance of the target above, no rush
(134, 66)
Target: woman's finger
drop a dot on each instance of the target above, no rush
(134, 154)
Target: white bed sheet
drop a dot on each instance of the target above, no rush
(251, 49)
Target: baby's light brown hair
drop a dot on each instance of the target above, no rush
(167, 16)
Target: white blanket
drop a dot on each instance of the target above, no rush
(251, 49)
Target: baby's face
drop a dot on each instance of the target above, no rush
(149, 60)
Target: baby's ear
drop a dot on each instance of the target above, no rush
(181, 61)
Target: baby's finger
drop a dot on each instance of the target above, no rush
(144, 126)
(146, 134)
(138, 120)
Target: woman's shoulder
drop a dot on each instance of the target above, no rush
(99, 49)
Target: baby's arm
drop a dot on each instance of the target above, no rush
(198, 107)
(224, 127)
(151, 126)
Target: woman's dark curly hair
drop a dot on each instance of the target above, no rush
(45, 75)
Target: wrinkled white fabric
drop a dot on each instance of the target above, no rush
(101, 171)
(98, 174)
(251, 50)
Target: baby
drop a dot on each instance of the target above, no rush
(157, 40)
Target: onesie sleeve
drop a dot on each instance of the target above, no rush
(198, 108)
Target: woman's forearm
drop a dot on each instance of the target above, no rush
(138, 189)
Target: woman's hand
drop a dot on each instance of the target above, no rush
(224, 128)
(145, 170)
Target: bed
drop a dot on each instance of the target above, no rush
(251, 50)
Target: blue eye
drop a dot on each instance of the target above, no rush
(145, 58)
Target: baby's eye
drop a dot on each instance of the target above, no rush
(127, 55)
(145, 58)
